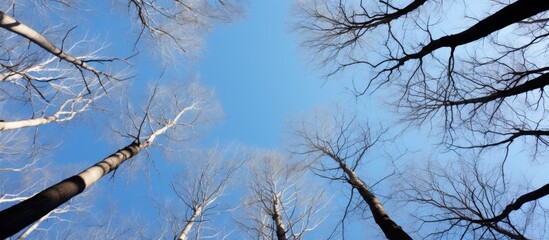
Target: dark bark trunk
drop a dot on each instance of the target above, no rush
(536, 83)
(508, 15)
(384, 19)
(528, 197)
(390, 228)
(19, 216)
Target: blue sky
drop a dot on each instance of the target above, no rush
(260, 76)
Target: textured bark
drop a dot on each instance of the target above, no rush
(17, 217)
(390, 228)
(277, 218)
(187, 229)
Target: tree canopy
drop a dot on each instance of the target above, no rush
(108, 131)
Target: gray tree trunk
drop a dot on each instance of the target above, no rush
(17, 217)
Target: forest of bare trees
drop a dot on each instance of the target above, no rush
(479, 86)
(453, 149)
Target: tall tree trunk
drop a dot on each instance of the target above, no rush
(187, 229)
(17, 217)
(390, 228)
(277, 218)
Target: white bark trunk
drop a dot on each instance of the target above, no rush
(184, 235)
(25, 31)
(33, 122)
(67, 111)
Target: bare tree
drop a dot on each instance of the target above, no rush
(171, 25)
(53, 74)
(81, 65)
(444, 75)
(468, 199)
(338, 148)
(43, 83)
(111, 226)
(157, 118)
(202, 184)
(178, 26)
(479, 77)
(281, 204)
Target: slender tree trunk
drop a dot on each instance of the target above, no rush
(33, 122)
(539, 82)
(17, 217)
(187, 229)
(12, 25)
(277, 217)
(390, 228)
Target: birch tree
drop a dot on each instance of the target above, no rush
(281, 203)
(47, 68)
(58, 79)
(186, 108)
(53, 74)
(43, 83)
(31, 178)
(81, 64)
(199, 188)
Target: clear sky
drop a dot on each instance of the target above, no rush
(261, 77)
